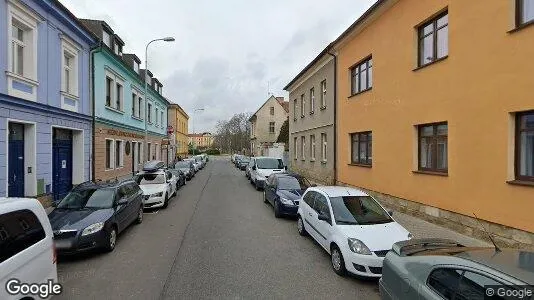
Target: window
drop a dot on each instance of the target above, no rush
(149, 157)
(309, 198)
(106, 38)
(312, 101)
(134, 105)
(323, 147)
(67, 75)
(472, 286)
(271, 127)
(362, 76)
(140, 108)
(362, 151)
(136, 67)
(157, 117)
(109, 91)
(525, 146)
(295, 147)
(433, 147)
(295, 106)
(161, 119)
(118, 97)
(460, 284)
(17, 50)
(444, 281)
(302, 104)
(434, 39)
(69, 80)
(312, 147)
(139, 152)
(323, 94)
(119, 158)
(109, 154)
(524, 11)
(149, 112)
(271, 109)
(19, 230)
(303, 147)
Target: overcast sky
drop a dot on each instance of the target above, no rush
(227, 52)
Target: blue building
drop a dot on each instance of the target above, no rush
(45, 112)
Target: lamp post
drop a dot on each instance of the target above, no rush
(165, 39)
(194, 142)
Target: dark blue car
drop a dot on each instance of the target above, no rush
(283, 191)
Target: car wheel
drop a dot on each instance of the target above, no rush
(264, 198)
(139, 219)
(111, 239)
(300, 227)
(277, 213)
(166, 202)
(338, 263)
(257, 186)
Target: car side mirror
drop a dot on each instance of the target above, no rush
(390, 213)
(122, 201)
(323, 217)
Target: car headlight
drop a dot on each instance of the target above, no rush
(286, 201)
(156, 195)
(358, 246)
(93, 228)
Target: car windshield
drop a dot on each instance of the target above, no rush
(181, 164)
(362, 210)
(292, 183)
(156, 178)
(245, 159)
(269, 163)
(89, 198)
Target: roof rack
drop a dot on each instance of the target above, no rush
(409, 247)
(153, 166)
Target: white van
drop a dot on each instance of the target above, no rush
(26, 240)
(263, 167)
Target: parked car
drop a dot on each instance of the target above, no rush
(232, 158)
(249, 167)
(158, 184)
(206, 157)
(444, 269)
(92, 215)
(26, 242)
(237, 160)
(196, 164)
(200, 160)
(243, 163)
(283, 192)
(180, 177)
(187, 167)
(351, 226)
(263, 168)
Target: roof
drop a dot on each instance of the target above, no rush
(132, 56)
(74, 18)
(285, 104)
(308, 66)
(179, 108)
(337, 191)
(280, 100)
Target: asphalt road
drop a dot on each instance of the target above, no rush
(216, 240)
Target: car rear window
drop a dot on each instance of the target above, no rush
(19, 230)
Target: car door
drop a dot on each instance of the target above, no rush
(308, 209)
(136, 200)
(121, 210)
(270, 189)
(322, 227)
(171, 183)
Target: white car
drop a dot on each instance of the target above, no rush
(262, 168)
(196, 164)
(158, 187)
(27, 246)
(351, 226)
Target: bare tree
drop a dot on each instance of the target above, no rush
(233, 135)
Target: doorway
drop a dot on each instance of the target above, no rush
(62, 162)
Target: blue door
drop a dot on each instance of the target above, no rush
(16, 160)
(62, 163)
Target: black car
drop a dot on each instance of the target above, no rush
(181, 178)
(237, 160)
(93, 214)
(243, 163)
(187, 167)
(283, 191)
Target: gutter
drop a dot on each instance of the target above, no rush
(335, 116)
(91, 87)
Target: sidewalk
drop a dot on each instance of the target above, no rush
(423, 229)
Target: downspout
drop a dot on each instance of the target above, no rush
(91, 87)
(335, 116)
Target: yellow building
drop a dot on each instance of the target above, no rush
(435, 112)
(201, 140)
(179, 120)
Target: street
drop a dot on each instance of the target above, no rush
(216, 239)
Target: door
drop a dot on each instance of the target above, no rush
(62, 163)
(308, 210)
(122, 210)
(323, 228)
(16, 160)
(270, 189)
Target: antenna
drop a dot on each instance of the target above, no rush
(497, 249)
(268, 88)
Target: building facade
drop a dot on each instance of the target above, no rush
(265, 124)
(45, 113)
(120, 103)
(436, 112)
(200, 140)
(179, 120)
(311, 120)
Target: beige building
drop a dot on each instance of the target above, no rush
(200, 140)
(179, 121)
(265, 124)
(311, 120)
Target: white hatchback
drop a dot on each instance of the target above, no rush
(27, 246)
(351, 226)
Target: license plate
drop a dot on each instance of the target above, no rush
(63, 244)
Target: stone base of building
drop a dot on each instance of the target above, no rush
(504, 236)
(319, 178)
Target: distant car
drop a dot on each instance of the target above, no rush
(187, 167)
(351, 226)
(237, 160)
(283, 191)
(200, 160)
(196, 165)
(263, 168)
(243, 163)
(26, 244)
(443, 269)
(249, 167)
(232, 158)
(92, 215)
(158, 185)
(180, 177)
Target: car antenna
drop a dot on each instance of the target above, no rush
(497, 249)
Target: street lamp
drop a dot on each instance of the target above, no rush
(194, 142)
(165, 39)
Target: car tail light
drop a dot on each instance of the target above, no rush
(54, 253)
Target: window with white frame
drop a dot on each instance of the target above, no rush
(109, 154)
(140, 107)
(161, 118)
(134, 105)
(302, 105)
(312, 101)
(118, 97)
(156, 151)
(114, 91)
(323, 94)
(157, 116)
(69, 79)
(324, 146)
(149, 157)
(312, 146)
(119, 157)
(149, 113)
(17, 48)
(136, 67)
(303, 147)
(109, 90)
(106, 38)
(295, 147)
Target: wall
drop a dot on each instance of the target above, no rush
(261, 124)
(484, 80)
